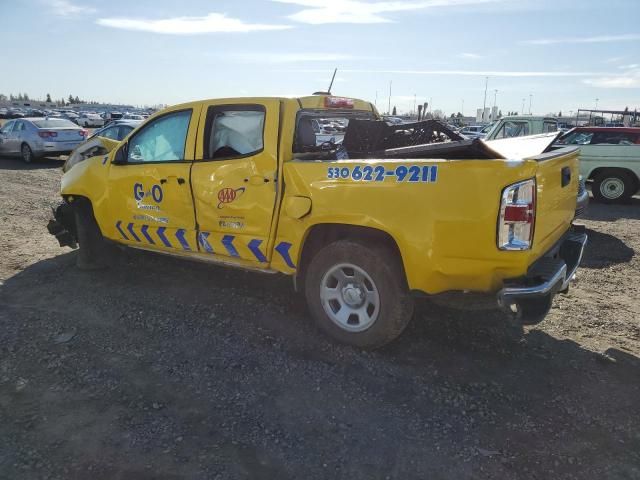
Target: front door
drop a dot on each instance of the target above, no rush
(234, 179)
(149, 199)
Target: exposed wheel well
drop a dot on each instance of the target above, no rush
(610, 170)
(326, 233)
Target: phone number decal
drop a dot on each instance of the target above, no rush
(412, 173)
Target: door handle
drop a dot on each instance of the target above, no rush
(565, 176)
(256, 180)
(180, 180)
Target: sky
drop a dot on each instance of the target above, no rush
(558, 55)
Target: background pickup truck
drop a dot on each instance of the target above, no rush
(609, 158)
(521, 126)
(362, 225)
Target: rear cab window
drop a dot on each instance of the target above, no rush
(320, 133)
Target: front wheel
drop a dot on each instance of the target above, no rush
(357, 294)
(93, 252)
(613, 187)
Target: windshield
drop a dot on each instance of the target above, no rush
(576, 138)
(54, 123)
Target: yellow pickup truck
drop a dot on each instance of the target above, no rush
(362, 214)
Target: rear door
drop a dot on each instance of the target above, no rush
(234, 179)
(7, 141)
(149, 199)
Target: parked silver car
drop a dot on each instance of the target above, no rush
(31, 138)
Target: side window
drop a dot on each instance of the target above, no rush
(549, 127)
(613, 138)
(8, 127)
(19, 127)
(163, 140)
(234, 131)
(123, 131)
(111, 132)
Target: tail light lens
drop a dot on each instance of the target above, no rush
(82, 133)
(517, 216)
(47, 134)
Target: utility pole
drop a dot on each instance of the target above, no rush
(484, 105)
(375, 102)
(530, 95)
(414, 103)
(596, 103)
(389, 107)
(430, 104)
(495, 95)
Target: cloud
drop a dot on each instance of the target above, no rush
(318, 12)
(211, 23)
(297, 57)
(629, 37)
(64, 8)
(472, 56)
(474, 73)
(630, 79)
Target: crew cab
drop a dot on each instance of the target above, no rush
(362, 225)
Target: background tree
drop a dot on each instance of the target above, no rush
(499, 113)
(394, 111)
(70, 100)
(76, 100)
(48, 98)
(25, 96)
(3, 97)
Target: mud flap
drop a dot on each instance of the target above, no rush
(62, 226)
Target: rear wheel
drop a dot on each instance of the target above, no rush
(613, 186)
(357, 294)
(27, 153)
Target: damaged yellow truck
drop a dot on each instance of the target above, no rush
(363, 214)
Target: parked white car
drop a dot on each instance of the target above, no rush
(90, 120)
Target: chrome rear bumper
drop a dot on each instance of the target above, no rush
(550, 274)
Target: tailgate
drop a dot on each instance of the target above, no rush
(557, 190)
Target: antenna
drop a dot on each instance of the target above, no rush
(332, 79)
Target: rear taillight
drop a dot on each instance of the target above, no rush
(47, 134)
(517, 216)
(83, 133)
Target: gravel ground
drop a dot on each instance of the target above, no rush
(166, 369)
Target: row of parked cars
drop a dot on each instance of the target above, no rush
(83, 118)
(35, 137)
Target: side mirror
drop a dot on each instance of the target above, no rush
(120, 158)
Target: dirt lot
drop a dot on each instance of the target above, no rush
(164, 369)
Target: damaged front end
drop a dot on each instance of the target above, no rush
(94, 147)
(63, 226)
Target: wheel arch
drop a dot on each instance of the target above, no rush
(600, 170)
(322, 234)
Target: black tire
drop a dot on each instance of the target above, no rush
(613, 187)
(93, 252)
(384, 270)
(534, 310)
(26, 153)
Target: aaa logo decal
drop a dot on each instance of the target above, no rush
(228, 195)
